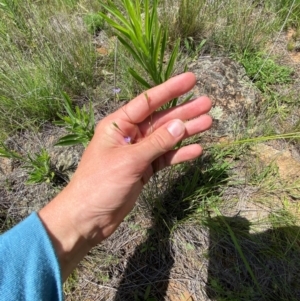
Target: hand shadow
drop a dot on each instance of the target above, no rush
(147, 272)
(245, 266)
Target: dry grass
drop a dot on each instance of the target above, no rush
(225, 227)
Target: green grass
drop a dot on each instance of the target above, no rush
(94, 22)
(44, 50)
(264, 71)
(289, 10)
(230, 26)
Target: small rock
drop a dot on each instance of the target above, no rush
(231, 91)
(5, 166)
(288, 167)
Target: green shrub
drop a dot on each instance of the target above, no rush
(144, 38)
(80, 123)
(188, 21)
(94, 23)
(265, 71)
(38, 165)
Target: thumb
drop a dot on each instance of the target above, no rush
(162, 140)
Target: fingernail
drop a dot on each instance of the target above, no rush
(176, 128)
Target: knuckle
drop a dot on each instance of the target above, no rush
(159, 142)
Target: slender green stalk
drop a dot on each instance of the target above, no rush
(293, 135)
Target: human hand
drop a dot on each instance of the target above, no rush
(112, 172)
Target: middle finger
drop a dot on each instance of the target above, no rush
(186, 111)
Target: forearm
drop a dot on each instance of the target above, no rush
(73, 227)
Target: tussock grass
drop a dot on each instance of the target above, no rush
(186, 18)
(228, 26)
(44, 50)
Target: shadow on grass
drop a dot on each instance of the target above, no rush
(245, 266)
(147, 272)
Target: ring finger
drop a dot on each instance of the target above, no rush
(184, 112)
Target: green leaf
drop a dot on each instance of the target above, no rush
(71, 142)
(80, 123)
(154, 17)
(239, 249)
(134, 13)
(125, 31)
(69, 137)
(146, 40)
(157, 47)
(147, 292)
(139, 78)
(162, 53)
(173, 103)
(188, 98)
(147, 20)
(199, 47)
(132, 51)
(68, 105)
(91, 119)
(5, 152)
(72, 137)
(112, 8)
(185, 68)
(39, 168)
(172, 61)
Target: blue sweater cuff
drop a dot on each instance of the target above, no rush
(29, 268)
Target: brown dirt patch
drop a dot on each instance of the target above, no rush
(288, 167)
(291, 37)
(176, 292)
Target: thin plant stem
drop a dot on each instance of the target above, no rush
(115, 70)
(151, 116)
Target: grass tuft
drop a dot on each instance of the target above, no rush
(44, 51)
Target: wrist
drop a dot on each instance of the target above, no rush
(72, 236)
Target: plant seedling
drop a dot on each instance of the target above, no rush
(80, 123)
(39, 166)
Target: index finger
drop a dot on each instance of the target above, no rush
(145, 104)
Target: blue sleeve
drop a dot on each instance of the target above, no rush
(29, 268)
